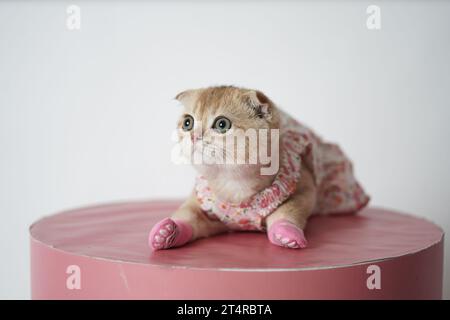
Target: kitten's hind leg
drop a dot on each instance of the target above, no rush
(187, 224)
(285, 226)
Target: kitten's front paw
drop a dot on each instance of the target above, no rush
(169, 233)
(286, 234)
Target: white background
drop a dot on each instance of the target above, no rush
(86, 116)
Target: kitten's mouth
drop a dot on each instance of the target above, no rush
(198, 146)
(208, 152)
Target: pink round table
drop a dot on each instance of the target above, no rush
(101, 252)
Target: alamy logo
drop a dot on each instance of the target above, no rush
(73, 281)
(73, 21)
(373, 21)
(374, 280)
(238, 147)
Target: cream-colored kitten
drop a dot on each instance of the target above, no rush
(236, 195)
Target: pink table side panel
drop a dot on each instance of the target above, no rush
(413, 276)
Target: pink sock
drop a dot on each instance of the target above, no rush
(286, 234)
(169, 233)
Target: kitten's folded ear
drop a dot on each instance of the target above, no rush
(187, 97)
(260, 103)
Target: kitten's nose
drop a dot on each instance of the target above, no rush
(196, 137)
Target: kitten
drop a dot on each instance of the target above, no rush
(237, 189)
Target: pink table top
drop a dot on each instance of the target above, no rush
(118, 232)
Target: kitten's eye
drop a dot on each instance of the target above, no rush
(222, 124)
(188, 123)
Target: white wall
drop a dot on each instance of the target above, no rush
(85, 116)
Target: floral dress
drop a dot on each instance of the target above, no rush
(337, 189)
